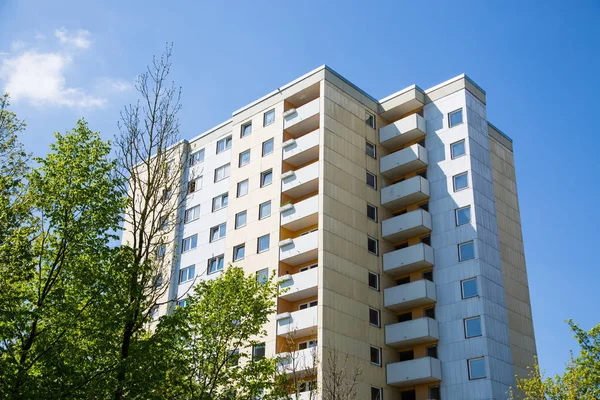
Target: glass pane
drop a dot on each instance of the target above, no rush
(267, 178)
(269, 117)
(240, 219)
(268, 147)
(246, 130)
(473, 327)
(262, 276)
(477, 368)
(466, 251)
(458, 149)
(456, 118)
(469, 288)
(265, 210)
(263, 243)
(463, 215)
(461, 181)
(244, 158)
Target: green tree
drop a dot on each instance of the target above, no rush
(50, 285)
(580, 380)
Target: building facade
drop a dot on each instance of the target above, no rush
(393, 224)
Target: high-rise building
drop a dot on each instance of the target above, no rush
(394, 224)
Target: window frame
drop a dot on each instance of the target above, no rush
(462, 288)
(262, 346)
(376, 280)
(379, 356)
(378, 394)
(224, 167)
(191, 239)
(245, 125)
(271, 111)
(236, 249)
(374, 187)
(240, 165)
(236, 226)
(456, 215)
(237, 189)
(260, 207)
(460, 246)
(374, 155)
(482, 359)
(227, 140)
(454, 181)
(467, 336)
(451, 113)
(272, 141)
(196, 183)
(263, 175)
(370, 116)
(186, 220)
(258, 250)
(187, 270)
(369, 239)
(194, 159)
(452, 156)
(375, 211)
(221, 197)
(220, 259)
(218, 228)
(378, 313)
(265, 277)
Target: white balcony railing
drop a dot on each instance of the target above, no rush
(414, 372)
(299, 250)
(403, 161)
(410, 333)
(298, 323)
(302, 119)
(409, 259)
(302, 150)
(410, 295)
(401, 194)
(300, 215)
(403, 131)
(301, 182)
(403, 226)
(298, 361)
(299, 286)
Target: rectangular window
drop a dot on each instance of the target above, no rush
(266, 178)
(308, 267)
(242, 188)
(246, 129)
(434, 393)
(476, 368)
(197, 157)
(374, 281)
(466, 251)
(215, 264)
(463, 215)
(458, 149)
(376, 393)
(455, 118)
(163, 222)
(460, 181)
(224, 144)
(218, 232)
(181, 303)
(187, 274)
(220, 202)
(222, 172)
(269, 118)
(195, 185)
(264, 210)
(161, 250)
(371, 150)
(262, 276)
(469, 288)
(376, 356)
(263, 243)
(428, 275)
(267, 147)
(307, 345)
(371, 180)
(371, 212)
(472, 327)
(258, 351)
(239, 252)
(406, 355)
(240, 219)
(405, 317)
(234, 357)
(191, 214)
(432, 351)
(244, 158)
(429, 312)
(372, 245)
(310, 304)
(374, 317)
(189, 243)
(370, 119)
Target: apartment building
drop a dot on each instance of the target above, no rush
(394, 224)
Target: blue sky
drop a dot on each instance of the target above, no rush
(539, 65)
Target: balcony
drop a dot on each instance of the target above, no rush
(301, 182)
(410, 333)
(300, 215)
(298, 361)
(299, 286)
(298, 323)
(407, 260)
(403, 161)
(300, 151)
(403, 131)
(299, 250)
(298, 121)
(410, 295)
(402, 102)
(414, 372)
(401, 194)
(403, 226)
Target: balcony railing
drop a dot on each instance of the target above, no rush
(410, 295)
(410, 333)
(300, 215)
(403, 131)
(403, 226)
(299, 250)
(301, 120)
(303, 150)
(301, 182)
(403, 161)
(409, 259)
(414, 372)
(298, 361)
(299, 286)
(401, 194)
(298, 323)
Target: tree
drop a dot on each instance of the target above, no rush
(298, 368)
(581, 379)
(339, 380)
(48, 286)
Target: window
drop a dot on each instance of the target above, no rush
(242, 188)
(197, 157)
(403, 281)
(374, 281)
(220, 202)
(370, 119)
(187, 274)
(239, 252)
(240, 219)
(246, 129)
(371, 212)
(307, 386)
(374, 317)
(310, 304)
(264, 210)
(455, 118)
(234, 357)
(267, 147)
(405, 317)
(163, 222)
(262, 276)
(457, 149)
(472, 327)
(463, 215)
(307, 345)
(371, 180)
(161, 250)
(189, 243)
(244, 158)
(222, 172)
(195, 185)
(218, 232)
(434, 393)
(263, 243)
(429, 312)
(181, 303)
(215, 264)
(191, 214)
(432, 351)
(371, 150)
(166, 194)
(154, 313)
(266, 178)
(408, 395)
(308, 267)
(372, 245)
(406, 355)
(466, 251)
(476, 368)
(469, 288)
(461, 181)
(258, 351)
(269, 118)
(224, 144)
(376, 393)
(375, 356)
(428, 275)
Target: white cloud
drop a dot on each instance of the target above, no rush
(17, 45)
(79, 39)
(116, 85)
